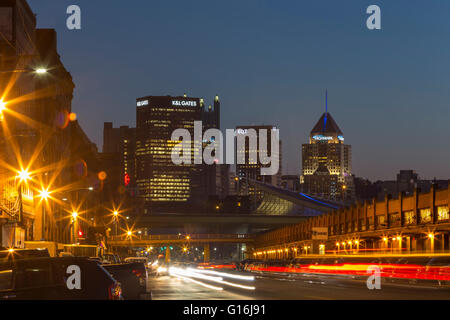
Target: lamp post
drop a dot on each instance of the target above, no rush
(116, 217)
(74, 220)
(44, 194)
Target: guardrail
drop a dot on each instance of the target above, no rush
(182, 237)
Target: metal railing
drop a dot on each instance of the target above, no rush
(181, 237)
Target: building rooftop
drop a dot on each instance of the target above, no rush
(326, 124)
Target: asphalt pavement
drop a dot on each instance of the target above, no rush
(283, 288)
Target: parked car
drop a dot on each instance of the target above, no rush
(68, 278)
(132, 276)
(15, 254)
(109, 258)
(144, 260)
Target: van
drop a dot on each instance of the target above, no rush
(69, 278)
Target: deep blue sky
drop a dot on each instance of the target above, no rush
(270, 62)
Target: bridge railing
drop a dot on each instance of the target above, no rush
(181, 238)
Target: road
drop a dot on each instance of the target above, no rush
(270, 288)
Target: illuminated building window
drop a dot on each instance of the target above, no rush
(425, 216)
(443, 213)
(394, 219)
(410, 217)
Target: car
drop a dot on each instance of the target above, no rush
(133, 278)
(15, 254)
(144, 260)
(67, 278)
(109, 258)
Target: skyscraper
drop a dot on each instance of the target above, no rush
(164, 185)
(252, 169)
(327, 162)
(121, 142)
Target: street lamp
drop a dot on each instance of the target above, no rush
(74, 220)
(24, 175)
(44, 194)
(41, 70)
(2, 105)
(2, 108)
(116, 216)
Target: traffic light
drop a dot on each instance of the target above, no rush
(80, 233)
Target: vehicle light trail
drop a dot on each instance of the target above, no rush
(224, 275)
(188, 273)
(198, 282)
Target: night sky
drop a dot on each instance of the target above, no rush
(270, 62)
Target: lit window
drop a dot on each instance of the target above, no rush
(410, 217)
(443, 213)
(425, 216)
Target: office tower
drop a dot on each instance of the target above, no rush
(252, 169)
(164, 185)
(121, 143)
(327, 162)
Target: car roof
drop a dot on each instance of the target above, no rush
(38, 259)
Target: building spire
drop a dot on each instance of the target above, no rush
(326, 110)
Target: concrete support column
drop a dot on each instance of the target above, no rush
(206, 256)
(431, 242)
(167, 254)
(443, 243)
(414, 244)
(39, 223)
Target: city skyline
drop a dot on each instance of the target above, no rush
(152, 210)
(359, 69)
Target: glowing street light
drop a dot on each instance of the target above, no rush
(115, 213)
(74, 215)
(44, 194)
(129, 233)
(24, 175)
(41, 70)
(2, 105)
(2, 108)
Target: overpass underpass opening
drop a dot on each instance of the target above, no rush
(219, 253)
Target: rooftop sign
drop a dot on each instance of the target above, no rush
(184, 103)
(322, 137)
(142, 103)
